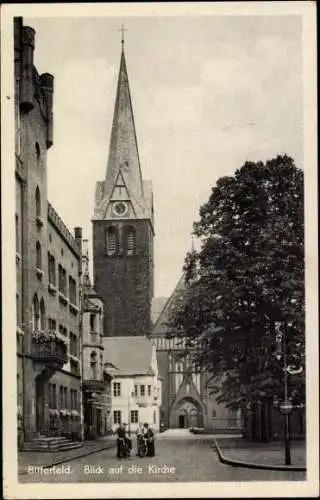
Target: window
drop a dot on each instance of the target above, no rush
(37, 147)
(17, 234)
(65, 394)
(61, 396)
(111, 241)
(63, 330)
(62, 280)
(72, 290)
(42, 315)
(117, 417)
(135, 391)
(35, 313)
(73, 344)
(134, 416)
(142, 390)
(38, 255)
(131, 241)
(116, 389)
(38, 203)
(92, 322)
(52, 269)
(93, 364)
(54, 396)
(154, 417)
(214, 413)
(149, 390)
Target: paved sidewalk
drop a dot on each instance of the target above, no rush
(262, 453)
(48, 459)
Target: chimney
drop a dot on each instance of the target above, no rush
(46, 81)
(26, 82)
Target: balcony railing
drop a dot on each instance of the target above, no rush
(96, 385)
(49, 349)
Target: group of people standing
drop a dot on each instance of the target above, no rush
(144, 434)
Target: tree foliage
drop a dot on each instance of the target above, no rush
(247, 279)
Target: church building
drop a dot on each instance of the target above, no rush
(123, 227)
(187, 401)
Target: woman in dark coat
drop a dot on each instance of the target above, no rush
(149, 435)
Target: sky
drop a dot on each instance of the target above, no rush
(208, 93)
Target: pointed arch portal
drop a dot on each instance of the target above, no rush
(186, 413)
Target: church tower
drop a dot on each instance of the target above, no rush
(123, 227)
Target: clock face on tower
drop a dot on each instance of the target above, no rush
(120, 208)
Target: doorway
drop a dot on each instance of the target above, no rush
(182, 422)
(39, 406)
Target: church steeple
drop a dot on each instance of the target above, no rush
(123, 182)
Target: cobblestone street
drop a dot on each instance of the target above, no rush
(177, 459)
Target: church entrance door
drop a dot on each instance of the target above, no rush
(182, 422)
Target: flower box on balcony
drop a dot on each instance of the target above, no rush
(40, 273)
(52, 289)
(49, 349)
(63, 298)
(39, 220)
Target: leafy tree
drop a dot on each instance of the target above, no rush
(246, 283)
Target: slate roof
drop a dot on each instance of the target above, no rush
(129, 355)
(160, 327)
(124, 158)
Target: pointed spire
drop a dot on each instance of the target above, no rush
(123, 151)
(123, 181)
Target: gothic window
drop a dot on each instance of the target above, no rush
(111, 241)
(131, 241)
(35, 313)
(52, 269)
(38, 255)
(38, 202)
(42, 315)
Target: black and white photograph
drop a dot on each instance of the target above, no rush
(159, 182)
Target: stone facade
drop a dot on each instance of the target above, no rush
(96, 383)
(48, 265)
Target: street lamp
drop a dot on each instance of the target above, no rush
(286, 405)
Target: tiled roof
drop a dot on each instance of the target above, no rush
(130, 355)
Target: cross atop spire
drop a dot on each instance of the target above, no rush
(123, 29)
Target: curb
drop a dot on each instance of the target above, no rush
(59, 462)
(248, 465)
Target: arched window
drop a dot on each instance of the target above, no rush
(131, 241)
(38, 255)
(93, 365)
(111, 240)
(42, 316)
(38, 202)
(35, 313)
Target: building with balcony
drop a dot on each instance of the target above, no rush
(48, 267)
(136, 385)
(96, 382)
